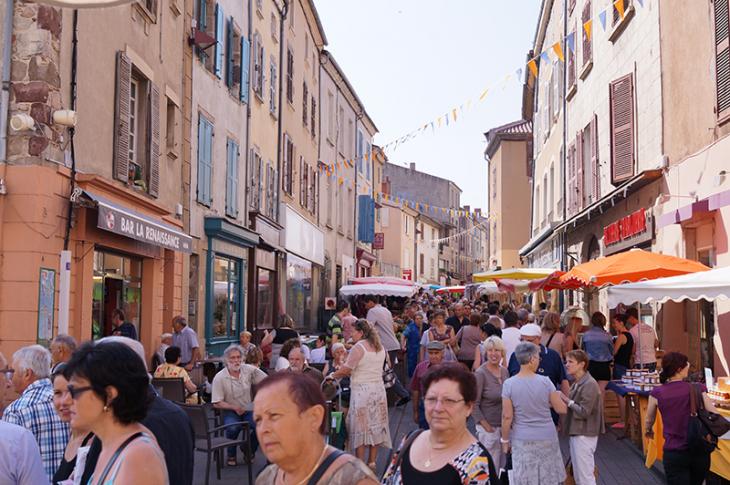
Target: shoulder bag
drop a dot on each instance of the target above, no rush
(704, 426)
(389, 376)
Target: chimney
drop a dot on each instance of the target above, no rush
(413, 166)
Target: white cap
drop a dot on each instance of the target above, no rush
(530, 330)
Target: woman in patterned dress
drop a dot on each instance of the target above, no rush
(367, 420)
(446, 454)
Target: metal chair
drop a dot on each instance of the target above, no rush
(209, 440)
(172, 388)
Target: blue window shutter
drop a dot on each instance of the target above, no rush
(202, 15)
(208, 162)
(371, 220)
(229, 54)
(219, 48)
(205, 148)
(229, 186)
(201, 154)
(245, 61)
(361, 219)
(232, 179)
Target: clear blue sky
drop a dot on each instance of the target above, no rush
(410, 61)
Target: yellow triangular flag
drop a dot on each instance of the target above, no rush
(340, 181)
(533, 67)
(484, 94)
(619, 4)
(439, 121)
(588, 27)
(453, 113)
(558, 51)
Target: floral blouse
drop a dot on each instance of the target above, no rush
(474, 466)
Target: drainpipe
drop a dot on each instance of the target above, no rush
(5, 96)
(563, 160)
(248, 118)
(282, 18)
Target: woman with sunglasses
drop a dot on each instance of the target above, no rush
(80, 437)
(109, 387)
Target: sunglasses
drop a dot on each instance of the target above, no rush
(75, 392)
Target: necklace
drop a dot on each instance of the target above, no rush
(427, 463)
(311, 472)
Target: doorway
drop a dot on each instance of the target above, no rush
(117, 284)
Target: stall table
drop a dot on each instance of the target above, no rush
(636, 403)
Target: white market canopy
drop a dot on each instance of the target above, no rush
(704, 285)
(84, 3)
(379, 289)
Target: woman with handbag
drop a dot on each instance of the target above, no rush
(686, 461)
(440, 332)
(367, 420)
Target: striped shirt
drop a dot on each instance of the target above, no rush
(34, 411)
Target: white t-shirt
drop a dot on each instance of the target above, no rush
(646, 354)
(381, 318)
(318, 355)
(511, 338)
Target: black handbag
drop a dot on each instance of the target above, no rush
(704, 427)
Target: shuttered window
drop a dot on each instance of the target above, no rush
(121, 119)
(273, 76)
(572, 188)
(287, 165)
(313, 115)
(219, 40)
(245, 63)
(290, 76)
(154, 141)
(258, 66)
(621, 92)
(232, 178)
(230, 64)
(595, 161)
(305, 100)
(587, 41)
(255, 180)
(616, 14)
(579, 173)
(571, 65)
(205, 160)
(722, 56)
(303, 182)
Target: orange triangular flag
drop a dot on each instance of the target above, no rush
(619, 4)
(588, 27)
(483, 95)
(558, 51)
(453, 112)
(533, 67)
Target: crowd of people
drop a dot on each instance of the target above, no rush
(491, 387)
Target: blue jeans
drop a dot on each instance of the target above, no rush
(230, 417)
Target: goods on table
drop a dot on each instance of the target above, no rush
(640, 380)
(720, 393)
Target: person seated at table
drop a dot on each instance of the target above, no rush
(683, 464)
(282, 362)
(297, 363)
(319, 353)
(171, 370)
(244, 340)
(255, 357)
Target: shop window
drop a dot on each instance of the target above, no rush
(226, 305)
(117, 285)
(265, 298)
(299, 291)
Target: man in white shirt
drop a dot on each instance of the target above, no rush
(644, 346)
(318, 354)
(510, 334)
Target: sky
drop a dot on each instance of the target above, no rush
(411, 61)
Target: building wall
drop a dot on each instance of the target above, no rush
(392, 253)
(511, 208)
(427, 248)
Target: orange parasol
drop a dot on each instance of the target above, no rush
(628, 267)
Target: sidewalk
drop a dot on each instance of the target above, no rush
(618, 462)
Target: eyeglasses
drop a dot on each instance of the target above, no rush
(445, 402)
(8, 372)
(77, 391)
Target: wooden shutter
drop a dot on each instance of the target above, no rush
(219, 48)
(587, 44)
(571, 66)
(579, 175)
(302, 181)
(245, 64)
(595, 163)
(229, 54)
(571, 180)
(202, 25)
(722, 56)
(232, 179)
(622, 128)
(285, 165)
(154, 146)
(121, 119)
(205, 164)
(259, 181)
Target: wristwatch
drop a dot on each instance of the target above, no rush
(503, 441)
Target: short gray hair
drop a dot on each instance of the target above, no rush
(525, 351)
(336, 346)
(66, 340)
(230, 349)
(34, 358)
(165, 335)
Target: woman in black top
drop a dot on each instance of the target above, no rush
(79, 437)
(283, 331)
(622, 349)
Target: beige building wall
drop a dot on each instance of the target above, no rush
(427, 250)
(392, 224)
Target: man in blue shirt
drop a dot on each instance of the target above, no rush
(551, 365)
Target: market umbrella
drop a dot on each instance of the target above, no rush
(512, 273)
(628, 267)
(550, 282)
(451, 289)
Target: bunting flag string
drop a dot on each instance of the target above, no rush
(429, 209)
(533, 65)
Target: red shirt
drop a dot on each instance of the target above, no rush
(418, 374)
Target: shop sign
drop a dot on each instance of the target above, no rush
(407, 274)
(379, 240)
(133, 226)
(629, 230)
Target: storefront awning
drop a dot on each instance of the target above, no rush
(127, 222)
(536, 240)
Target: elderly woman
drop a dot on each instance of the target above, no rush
(244, 340)
(480, 353)
(439, 332)
(282, 363)
(171, 370)
(367, 421)
(109, 386)
(79, 436)
(287, 401)
(584, 421)
(339, 356)
(488, 407)
(527, 426)
(551, 337)
(446, 454)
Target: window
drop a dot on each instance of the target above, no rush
(544, 198)
(306, 50)
(171, 135)
(149, 7)
(290, 75)
(722, 58)
(331, 113)
(274, 27)
(117, 284)
(234, 48)
(621, 102)
(211, 20)
(587, 41)
(405, 222)
(312, 199)
(287, 165)
(341, 132)
(245, 63)
(571, 69)
(303, 181)
(260, 8)
(313, 115)
(551, 197)
(557, 78)
(291, 18)
(271, 196)
(359, 152)
(258, 66)
(232, 178)
(305, 100)
(205, 160)
(617, 16)
(226, 305)
(422, 264)
(137, 129)
(272, 85)
(255, 180)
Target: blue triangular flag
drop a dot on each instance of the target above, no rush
(570, 40)
(544, 57)
(641, 2)
(519, 74)
(602, 18)
(447, 119)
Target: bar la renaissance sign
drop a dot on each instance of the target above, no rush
(148, 231)
(629, 230)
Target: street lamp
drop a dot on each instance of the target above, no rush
(83, 3)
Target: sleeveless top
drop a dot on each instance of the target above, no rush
(65, 468)
(623, 356)
(370, 367)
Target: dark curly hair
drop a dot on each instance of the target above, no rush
(453, 372)
(114, 364)
(288, 346)
(672, 363)
(172, 353)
